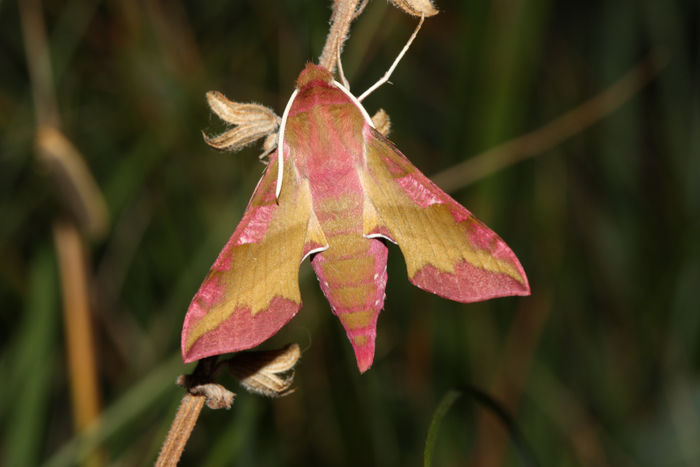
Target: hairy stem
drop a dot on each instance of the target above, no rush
(343, 15)
(180, 430)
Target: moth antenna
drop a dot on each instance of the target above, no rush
(280, 145)
(386, 76)
(340, 69)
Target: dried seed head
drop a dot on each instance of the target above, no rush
(260, 372)
(416, 7)
(382, 122)
(236, 113)
(218, 397)
(252, 122)
(239, 137)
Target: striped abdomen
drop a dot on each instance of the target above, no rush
(352, 271)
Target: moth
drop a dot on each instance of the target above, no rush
(336, 190)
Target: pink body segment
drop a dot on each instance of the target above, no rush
(352, 270)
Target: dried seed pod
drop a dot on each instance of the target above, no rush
(260, 372)
(416, 7)
(382, 122)
(252, 122)
(236, 113)
(238, 137)
(218, 397)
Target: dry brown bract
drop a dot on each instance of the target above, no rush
(416, 7)
(260, 372)
(382, 122)
(217, 396)
(252, 122)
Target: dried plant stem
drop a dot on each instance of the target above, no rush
(264, 372)
(38, 62)
(69, 244)
(180, 431)
(343, 14)
(78, 326)
(198, 386)
(553, 133)
(387, 75)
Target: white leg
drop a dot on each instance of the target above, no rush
(266, 153)
(386, 76)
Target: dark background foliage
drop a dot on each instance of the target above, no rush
(598, 367)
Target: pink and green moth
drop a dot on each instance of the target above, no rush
(335, 191)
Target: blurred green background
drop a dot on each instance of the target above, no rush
(599, 367)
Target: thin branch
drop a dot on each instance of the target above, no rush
(262, 372)
(555, 132)
(39, 62)
(344, 11)
(200, 388)
(180, 430)
(80, 345)
(387, 75)
(72, 254)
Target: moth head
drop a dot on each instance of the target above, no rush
(314, 74)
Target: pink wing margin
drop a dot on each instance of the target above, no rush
(252, 290)
(447, 250)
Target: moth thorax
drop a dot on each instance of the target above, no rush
(314, 73)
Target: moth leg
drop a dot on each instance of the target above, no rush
(386, 76)
(269, 146)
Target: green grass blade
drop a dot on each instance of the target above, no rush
(445, 404)
(120, 413)
(525, 453)
(33, 358)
